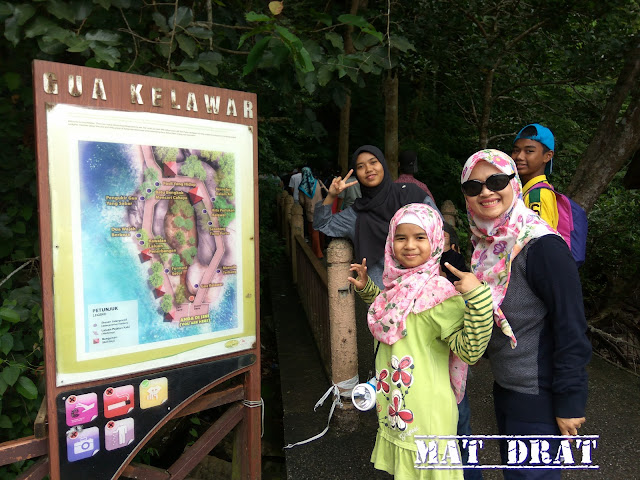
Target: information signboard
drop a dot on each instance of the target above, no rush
(148, 217)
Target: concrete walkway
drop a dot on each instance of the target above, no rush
(613, 411)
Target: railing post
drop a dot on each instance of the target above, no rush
(297, 228)
(449, 212)
(279, 202)
(286, 221)
(342, 325)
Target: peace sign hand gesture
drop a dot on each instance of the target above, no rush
(339, 184)
(468, 281)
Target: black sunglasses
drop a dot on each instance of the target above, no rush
(495, 183)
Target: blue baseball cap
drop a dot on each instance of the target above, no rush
(544, 136)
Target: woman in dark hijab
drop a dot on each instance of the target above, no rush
(366, 222)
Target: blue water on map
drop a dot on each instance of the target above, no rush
(111, 267)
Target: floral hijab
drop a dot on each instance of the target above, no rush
(414, 289)
(497, 242)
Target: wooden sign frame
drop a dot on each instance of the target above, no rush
(58, 87)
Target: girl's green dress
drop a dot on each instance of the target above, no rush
(413, 391)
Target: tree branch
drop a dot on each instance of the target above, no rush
(226, 50)
(209, 24)
(28, 262)
(173, 34)
(135, 43)
(474, 20)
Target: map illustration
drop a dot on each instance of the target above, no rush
(159, 235)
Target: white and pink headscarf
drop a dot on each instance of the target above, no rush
(496, 242)
(414, 290)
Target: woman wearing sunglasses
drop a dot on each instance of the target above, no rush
(538, 349)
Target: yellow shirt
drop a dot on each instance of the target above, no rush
(547, 207)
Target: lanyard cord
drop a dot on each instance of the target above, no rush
(371, 373)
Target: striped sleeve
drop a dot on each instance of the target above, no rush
(470, 342)
(369, 292)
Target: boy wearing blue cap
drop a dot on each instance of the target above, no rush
(532, 152)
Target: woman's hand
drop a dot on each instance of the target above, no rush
(361, 270)
(339, 184)
(467, 282)
(569, 426)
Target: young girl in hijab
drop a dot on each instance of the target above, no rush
(417, 321)
(366, 222)
(311, 194)
(539, 349)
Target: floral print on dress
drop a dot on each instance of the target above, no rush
(402, 368)
(382, 383)
(497, 241)
(399, 417)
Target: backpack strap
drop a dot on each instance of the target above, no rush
(538, 186)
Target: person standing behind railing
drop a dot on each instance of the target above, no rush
(408, 161)
(366, 222)
(310, 195)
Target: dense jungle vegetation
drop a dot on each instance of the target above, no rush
(441, 77)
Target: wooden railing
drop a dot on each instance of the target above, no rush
(312, 285)
(324, 291)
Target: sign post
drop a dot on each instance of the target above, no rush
(148, 226)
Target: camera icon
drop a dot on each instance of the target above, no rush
(84, 445)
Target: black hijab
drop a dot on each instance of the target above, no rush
(376, 207)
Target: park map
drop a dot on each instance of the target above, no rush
(159, 239)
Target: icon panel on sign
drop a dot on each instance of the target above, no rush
(81, 409)
(83, 444)
(154, 392)
(118, 401)
(118, 433)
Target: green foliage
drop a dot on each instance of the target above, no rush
(189, 255)
(226, 171)
(163, 246)
(178, 222)
(176, 262)
(146, 455)
(192, 167)
(144, 237)
(21, 355)
(151, 175)
(180, 295)
(180, 237)
(611, 269)
(156, 267)
(271, 247)
(184, 223)
(182, 207)
(167, 303)
(156, 280)
(166, 154)
(230, 214)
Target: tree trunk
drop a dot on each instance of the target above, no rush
(487, 103)
(391, 122)
(617, 137)
(343, 136)
(345, 111)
